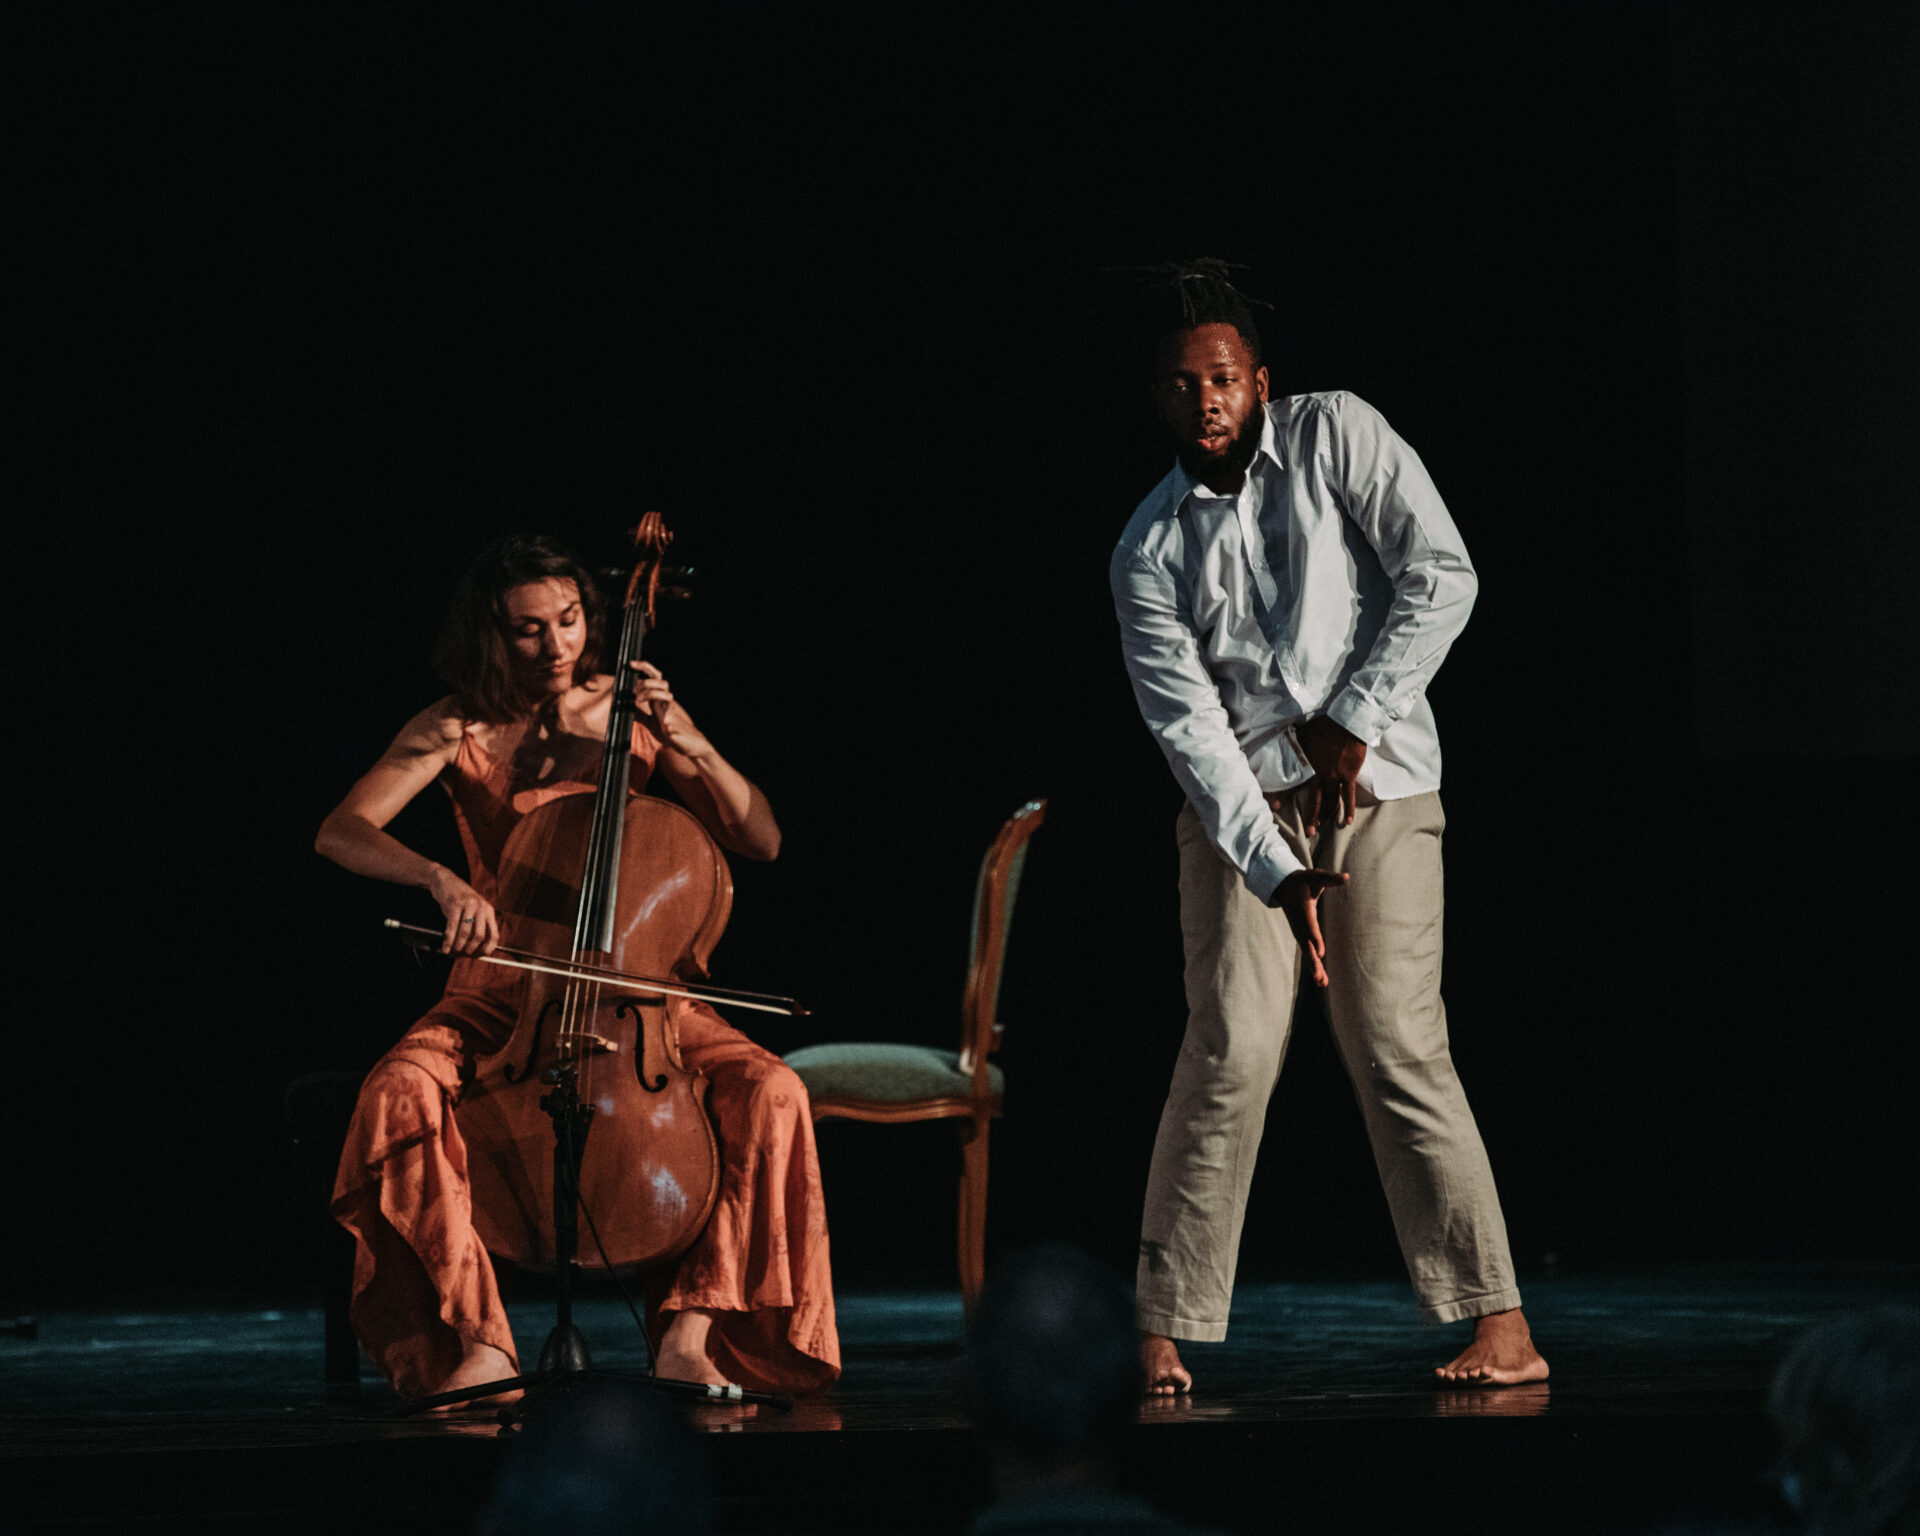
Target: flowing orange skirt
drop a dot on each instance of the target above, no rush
(423, 1286)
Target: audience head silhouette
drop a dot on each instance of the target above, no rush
(1846, 1401)
(1053, 1361)
(600, 1460)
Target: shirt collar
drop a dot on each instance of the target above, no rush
(1185, 485)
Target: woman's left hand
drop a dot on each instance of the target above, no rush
(724, 799)
(666, 717)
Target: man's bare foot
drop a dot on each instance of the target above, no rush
(480, 1364)
(683, 1355)
(1501, 1354)
(1160, 1366)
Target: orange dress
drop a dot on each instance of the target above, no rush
(423, 1284)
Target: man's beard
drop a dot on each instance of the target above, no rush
(1239, 455)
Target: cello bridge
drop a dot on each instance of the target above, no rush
(587, 1045)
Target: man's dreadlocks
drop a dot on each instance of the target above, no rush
(1180, 295)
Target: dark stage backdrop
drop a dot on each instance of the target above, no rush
(829, 290)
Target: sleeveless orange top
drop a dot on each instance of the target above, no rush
(540, 762)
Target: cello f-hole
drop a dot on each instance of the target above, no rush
(632, 1005)
(533, 1046)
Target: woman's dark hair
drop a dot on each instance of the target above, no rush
(474, 655)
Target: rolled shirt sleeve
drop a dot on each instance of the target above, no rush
(1181, 705)
(1392, 500)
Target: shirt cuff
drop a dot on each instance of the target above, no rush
(1360, 715)
(1269, 870)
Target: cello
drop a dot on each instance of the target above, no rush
(613, 903)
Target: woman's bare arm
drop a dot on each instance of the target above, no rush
(354, 836)
(729, 803)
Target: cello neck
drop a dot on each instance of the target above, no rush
(600, 881)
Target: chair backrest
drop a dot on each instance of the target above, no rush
(992, 918)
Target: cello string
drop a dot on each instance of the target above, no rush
(609, 815)
(590, 866)
(591, 1011)
(595, 883)
(597, 871)
(594, 866)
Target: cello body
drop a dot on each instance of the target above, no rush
(649, 1165)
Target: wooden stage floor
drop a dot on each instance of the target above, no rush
(1318, 1414)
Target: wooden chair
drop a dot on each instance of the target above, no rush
(892, 1084)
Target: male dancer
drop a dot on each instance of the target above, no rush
(1285, 595)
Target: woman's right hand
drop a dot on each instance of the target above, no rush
(473, 928)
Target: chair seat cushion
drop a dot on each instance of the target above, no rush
(890, 1074)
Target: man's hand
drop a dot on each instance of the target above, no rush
(1335, 755)
(1299, 897)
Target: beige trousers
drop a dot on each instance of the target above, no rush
(1382, 932)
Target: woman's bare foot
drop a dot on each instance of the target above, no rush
(480, 1364)
(683, 1355)
(1501, 1354)
(1160, 1366)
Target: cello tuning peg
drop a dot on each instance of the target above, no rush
(671, 576)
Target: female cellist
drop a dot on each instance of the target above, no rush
(752, 1301)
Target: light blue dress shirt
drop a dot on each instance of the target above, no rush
(1333, 583)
